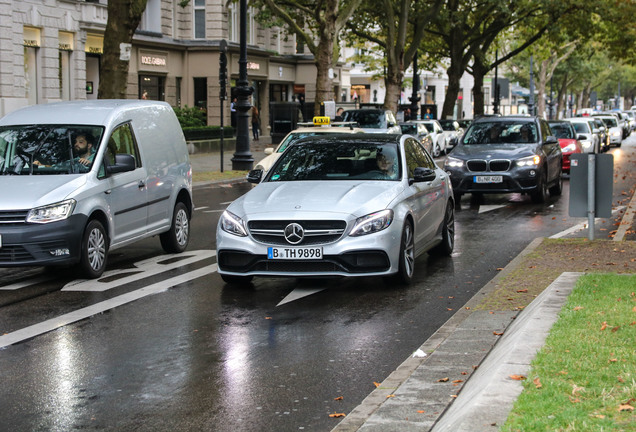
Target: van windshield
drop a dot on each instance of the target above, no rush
(48, 149)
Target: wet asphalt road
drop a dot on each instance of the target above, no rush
(199, 355)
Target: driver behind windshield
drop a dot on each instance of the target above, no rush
(83, 152)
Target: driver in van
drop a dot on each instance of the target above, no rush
(82, 151)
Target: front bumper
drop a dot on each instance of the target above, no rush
(523, 180)
(370, 255)
(42, 244)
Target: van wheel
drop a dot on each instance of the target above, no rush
(94, 250)
(176, 239)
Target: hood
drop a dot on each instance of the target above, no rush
(315, 199)
(25, 192)
(564, 142)
(495, 151)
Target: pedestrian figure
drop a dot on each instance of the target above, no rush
(256, 122)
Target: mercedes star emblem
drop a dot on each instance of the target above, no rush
(294, 233)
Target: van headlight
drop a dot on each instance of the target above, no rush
(233, 224)
(51, 212)
(371, 223)
(586, 143)
(529, 161)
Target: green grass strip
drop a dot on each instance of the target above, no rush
(584, 378)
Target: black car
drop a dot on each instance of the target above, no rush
(507, 154)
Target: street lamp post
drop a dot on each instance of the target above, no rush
(415, 98)
(495, 105)
(243, 160)
(531, 98)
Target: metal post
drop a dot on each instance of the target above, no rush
(223, 90)
(531, 99)
(591, 195)
(243, 159)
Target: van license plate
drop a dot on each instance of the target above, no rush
(488, 179)
(294, 253)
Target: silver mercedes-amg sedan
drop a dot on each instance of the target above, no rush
(354, 205)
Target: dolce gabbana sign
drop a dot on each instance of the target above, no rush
(153, 61)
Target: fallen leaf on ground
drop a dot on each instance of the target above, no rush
(338, 398)
(421, 411)
(337, 415)
(458, 381)
(443, 379)
(517, 377)
(522, 291)
(496, 333)
(625, 407)
(390, 396)
(604, 325)
(537, 383)
(377, 384)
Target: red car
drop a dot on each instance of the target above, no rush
(566, 135)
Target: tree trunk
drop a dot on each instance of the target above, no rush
(393, 83)
(479, 72)
(123, 18)
(454, 71)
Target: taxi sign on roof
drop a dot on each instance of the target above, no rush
(321, 120)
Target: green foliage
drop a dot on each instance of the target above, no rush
(206, 132)
(583, 378)
(190, 116)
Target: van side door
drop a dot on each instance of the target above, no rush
(127, 191)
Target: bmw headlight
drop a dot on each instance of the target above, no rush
(51, 213)
(530, 161)
(233, 224)
(569, 148)
(453, 162)
(371, 223)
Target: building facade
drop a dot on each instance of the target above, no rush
(50, 50)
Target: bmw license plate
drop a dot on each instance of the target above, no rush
(306, 253)
(488, 179)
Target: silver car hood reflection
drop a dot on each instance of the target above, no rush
(355, 198)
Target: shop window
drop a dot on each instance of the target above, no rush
(201, 93)
(31, 75)
(278, 92)
(152, 87)
(199, 19)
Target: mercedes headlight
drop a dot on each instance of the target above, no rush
(371, 223)
(453, 162)
(51, 213)
(233, 224)
(530, 161)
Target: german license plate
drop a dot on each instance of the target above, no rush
(306, 253)
(488, 179)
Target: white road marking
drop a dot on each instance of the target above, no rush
(214, 211)
(26, 283)
(487, 208)
(143, 270)
(226, 203)
(200, 208)
(80, 314)
(299, 293)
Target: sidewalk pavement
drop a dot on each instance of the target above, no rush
(440, 388)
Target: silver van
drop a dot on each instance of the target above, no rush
(78, 179)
